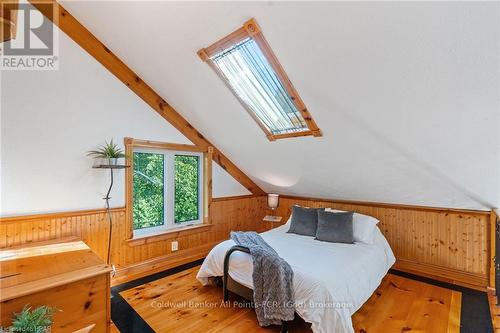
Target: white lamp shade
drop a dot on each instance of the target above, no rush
(273, 200)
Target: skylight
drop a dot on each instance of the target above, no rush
(247, 65)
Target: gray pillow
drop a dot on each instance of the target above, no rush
(335, 227)
(304, 221)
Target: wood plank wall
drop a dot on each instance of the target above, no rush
(92, 227)
(452, 245)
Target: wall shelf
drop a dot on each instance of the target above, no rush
(111, 166)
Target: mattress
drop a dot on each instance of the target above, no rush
(331, 280)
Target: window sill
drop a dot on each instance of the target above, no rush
(168, 234)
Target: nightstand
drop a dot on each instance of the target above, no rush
(271, 222)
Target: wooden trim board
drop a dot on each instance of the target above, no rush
(138, 143)
(453, 276)
(57, 215)
(169, 234)
(235, 197)
(492, 242)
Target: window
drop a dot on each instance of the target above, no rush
(167, 186)
(187, 185)
(246, 63)
(149, 190)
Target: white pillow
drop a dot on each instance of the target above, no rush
(363, 226)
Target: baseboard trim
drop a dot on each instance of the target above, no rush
(158, 264)
(445, 274)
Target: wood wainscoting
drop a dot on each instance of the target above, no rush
(446, 244)
(133, 258)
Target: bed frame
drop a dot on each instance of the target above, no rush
(228, 284)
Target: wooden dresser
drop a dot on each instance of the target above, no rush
(64, 274)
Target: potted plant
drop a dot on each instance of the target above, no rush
(109, 151)
(38, 320)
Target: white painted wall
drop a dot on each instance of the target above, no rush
(406, 93)
(224, 185)
(50, 119)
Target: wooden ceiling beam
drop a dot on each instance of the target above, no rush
(83, 37)
(8, 20)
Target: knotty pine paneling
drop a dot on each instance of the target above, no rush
(452, 244)
(92, 228)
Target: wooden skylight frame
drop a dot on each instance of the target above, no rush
(251, 29)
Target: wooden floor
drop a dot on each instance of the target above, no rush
(494, 312)
(178, 303)
(113, 329)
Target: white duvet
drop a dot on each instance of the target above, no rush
(331, 280)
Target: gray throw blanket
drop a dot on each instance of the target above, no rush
(272, 280)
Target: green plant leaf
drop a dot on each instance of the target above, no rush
(36, 321)
(108, 150)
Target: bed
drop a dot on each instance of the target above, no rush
(331, 280)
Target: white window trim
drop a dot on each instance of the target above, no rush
(169, 192)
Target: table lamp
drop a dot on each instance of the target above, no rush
(273, 203)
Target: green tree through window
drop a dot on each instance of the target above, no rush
(148, 198)
(154, 191)
(186, 188)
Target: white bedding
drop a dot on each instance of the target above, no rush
(331, 280)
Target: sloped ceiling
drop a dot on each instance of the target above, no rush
(406, 93)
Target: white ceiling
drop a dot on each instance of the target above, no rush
(406, 93)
